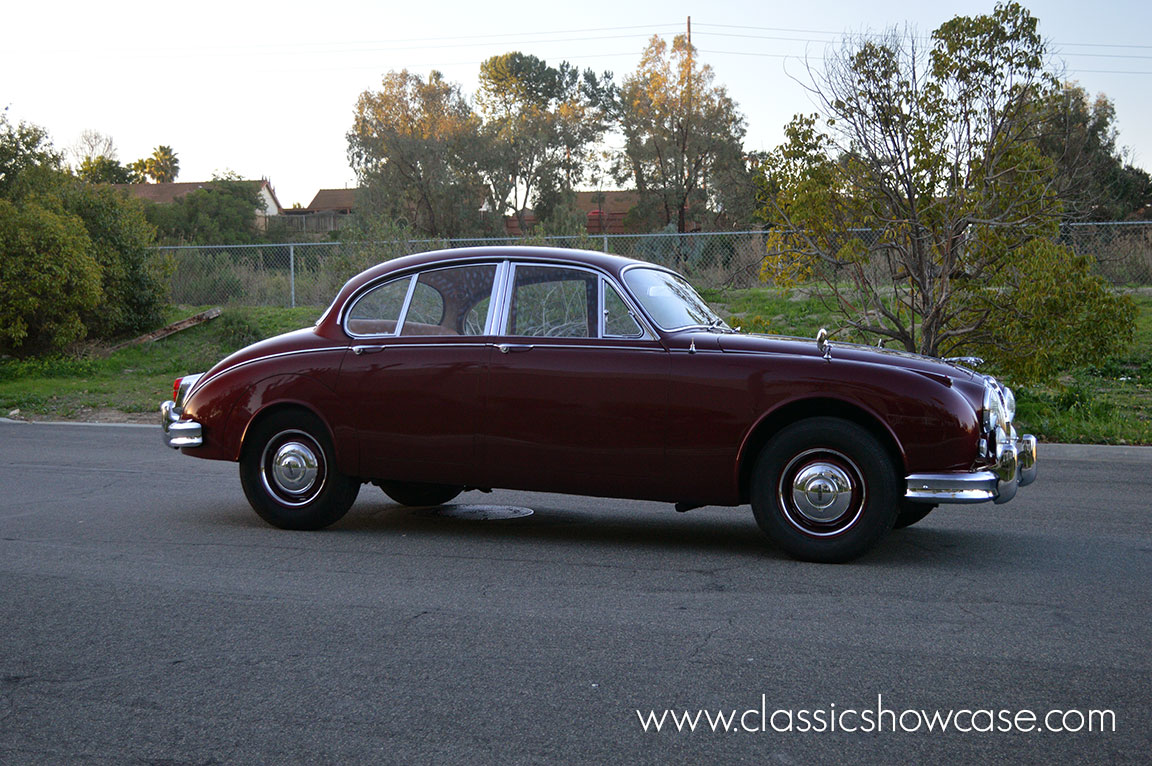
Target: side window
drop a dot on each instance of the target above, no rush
(477, 317)
(426, 308)
(618, 320)
(378, 310)
(450, 301)
(550, 302)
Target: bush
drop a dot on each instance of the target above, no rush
(49, 279)
(1058, 315)
(134, 291)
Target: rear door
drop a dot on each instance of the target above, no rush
(416, 374)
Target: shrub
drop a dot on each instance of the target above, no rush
(134, 291)
(49, 279)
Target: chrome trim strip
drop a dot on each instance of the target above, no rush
(496, 297)
(398, 330)
(500, 299)
(204, 378)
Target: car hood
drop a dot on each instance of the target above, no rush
(854, 352)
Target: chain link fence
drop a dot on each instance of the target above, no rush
(310, 273)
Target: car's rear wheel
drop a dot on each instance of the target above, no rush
(288, 474)
(419, 494)
(825, 489)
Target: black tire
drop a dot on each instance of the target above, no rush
(910, 513)
(825, 490)
(419, 494)
(289, 476)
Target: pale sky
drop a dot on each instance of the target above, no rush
(268, 89)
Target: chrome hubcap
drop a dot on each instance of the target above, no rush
(822, 492)
(293, 468)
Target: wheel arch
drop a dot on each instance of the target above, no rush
(818, 406)
(343, 459)
(301, 393)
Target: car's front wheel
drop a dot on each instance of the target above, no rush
(825, 490)
(288, 474)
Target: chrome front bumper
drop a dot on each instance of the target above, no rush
(1014, 467)
(177, 431)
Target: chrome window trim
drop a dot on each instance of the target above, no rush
(414, 277)
(501, 326)
(347, 312)
(606, 283)
(501, 289)
(399, 329)
(511, 285)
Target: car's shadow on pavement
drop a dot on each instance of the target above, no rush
(623, 526)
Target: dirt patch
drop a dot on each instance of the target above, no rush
(91, 415)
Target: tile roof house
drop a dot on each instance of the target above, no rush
(332, 200)
(167, 193)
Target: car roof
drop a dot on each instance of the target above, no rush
(605, 261)
(612, 264)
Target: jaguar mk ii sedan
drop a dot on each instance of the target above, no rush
(590, 374)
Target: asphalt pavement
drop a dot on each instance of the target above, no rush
(148, 616)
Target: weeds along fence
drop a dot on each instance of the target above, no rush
(310, 273)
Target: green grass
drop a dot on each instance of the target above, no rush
(136, 379)
(1110, 403)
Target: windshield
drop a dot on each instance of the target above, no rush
(670, 300)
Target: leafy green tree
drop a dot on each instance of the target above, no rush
(222, 213)
(48, 278)
(416, 149)
(163, 166)
(103, 170)
(681, 131)
(76, 256)
(120, 240)
(28, 161)
(137, 172)
(540, 123)
(1092, 173)
(921, 200)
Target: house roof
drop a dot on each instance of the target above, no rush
(167, 193)
(338, 200)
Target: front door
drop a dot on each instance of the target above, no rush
(576, 388)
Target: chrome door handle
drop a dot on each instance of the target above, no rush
(358, 350)
(513, 348)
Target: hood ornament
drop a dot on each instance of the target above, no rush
(823, 344)
(971, 361)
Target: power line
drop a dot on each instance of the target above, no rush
(881, 34)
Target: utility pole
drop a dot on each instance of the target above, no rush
(689, 30)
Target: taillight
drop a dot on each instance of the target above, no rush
(176, 388)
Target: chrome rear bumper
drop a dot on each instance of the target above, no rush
(177, 431)
(1014, 467)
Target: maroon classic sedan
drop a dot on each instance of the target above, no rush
(585, 373)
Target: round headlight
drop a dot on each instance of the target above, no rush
(994, 414)
(1009, 404)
